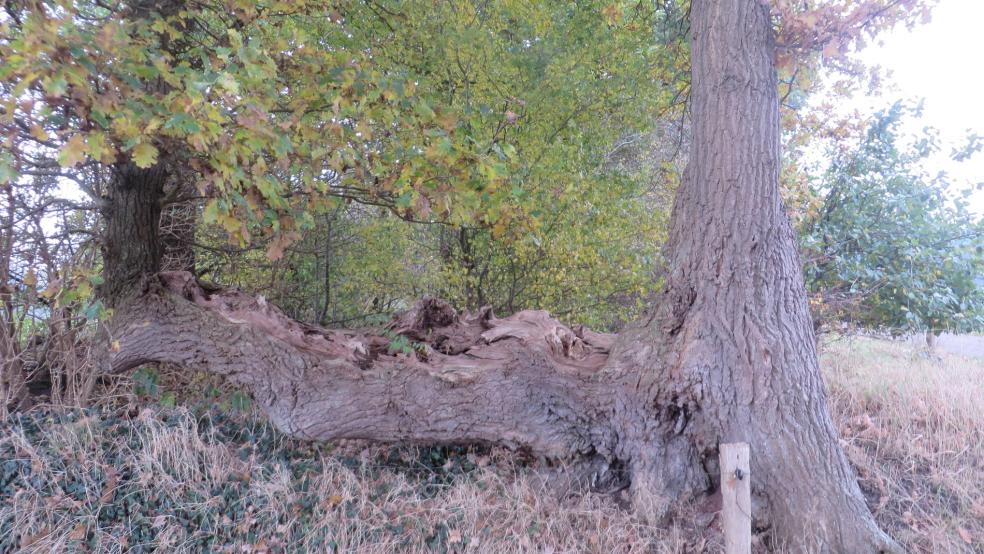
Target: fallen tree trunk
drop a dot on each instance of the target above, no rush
(525, 381)
(728, 354)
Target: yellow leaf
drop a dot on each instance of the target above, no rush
(144, 155)
(84, 289)
(125, 128)
(96, 144)
(115, 346)
(228, 82)
(612, 13)
(30, 278)
(198, 141)
(152, 125)
(39, 133)
(72, 152)
(51, 291)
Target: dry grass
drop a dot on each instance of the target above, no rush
(913, 425)
(176, 480)
(170, 480)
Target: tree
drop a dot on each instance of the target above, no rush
(582, 234)
(727, 354)
(887, 248)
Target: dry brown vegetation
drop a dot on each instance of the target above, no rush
(913, 424)
(192, 480)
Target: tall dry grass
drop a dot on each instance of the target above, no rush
(913, 424)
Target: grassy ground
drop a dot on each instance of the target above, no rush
(180, 479)
(913, 425)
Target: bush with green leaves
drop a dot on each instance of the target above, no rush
(891, 247)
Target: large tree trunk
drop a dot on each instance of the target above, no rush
(736, 337)
(728, 354)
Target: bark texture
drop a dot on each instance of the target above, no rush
(525, 381)
(734, 334)
(131, 240)
(728, 354)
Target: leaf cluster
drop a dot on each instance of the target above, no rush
(889, 247)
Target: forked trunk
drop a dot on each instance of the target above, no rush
(728, 354)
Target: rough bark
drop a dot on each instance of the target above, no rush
(727, 355)
(734, 336)
(131, 244)
(524, 381)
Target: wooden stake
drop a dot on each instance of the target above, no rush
(736, 498)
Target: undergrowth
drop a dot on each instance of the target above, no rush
(192, 478)
(172, 480)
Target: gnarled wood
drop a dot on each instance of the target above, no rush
(525, 381)
(728, 354)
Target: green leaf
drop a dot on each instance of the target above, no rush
(96, 145)
(239, 401)
(169, 399)
(93, 310)
(7, 172)
(56, 86)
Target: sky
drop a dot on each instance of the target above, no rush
(941, 62)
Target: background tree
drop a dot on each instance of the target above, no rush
(560, 111)
(527, 191)
(889, 248)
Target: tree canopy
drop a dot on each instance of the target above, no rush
(495, 153)
(505, 123)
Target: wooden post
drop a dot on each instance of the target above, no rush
(736, 498)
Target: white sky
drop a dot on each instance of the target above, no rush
(941, 62)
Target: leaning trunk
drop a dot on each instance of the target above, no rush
(525, 381)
